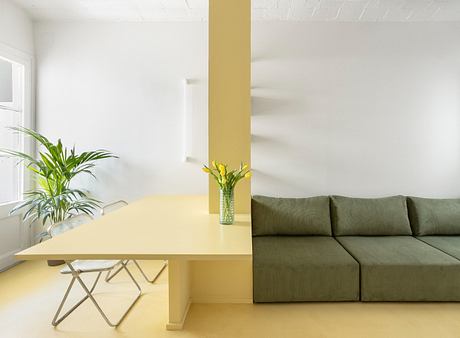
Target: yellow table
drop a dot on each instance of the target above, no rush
(208, 262)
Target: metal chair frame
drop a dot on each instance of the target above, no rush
(111, 274)
(89, 294)
(89, 291)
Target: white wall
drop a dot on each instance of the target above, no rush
(364, 109)
(16, 28)
(119, 86)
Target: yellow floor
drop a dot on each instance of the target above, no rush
(30, 292)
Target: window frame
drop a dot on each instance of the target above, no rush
(17, 82)
(27, 106)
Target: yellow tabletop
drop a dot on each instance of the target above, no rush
(158, 227)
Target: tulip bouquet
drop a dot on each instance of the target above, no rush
(227, 180)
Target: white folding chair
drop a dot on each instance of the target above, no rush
(79, 267)
(112, 207)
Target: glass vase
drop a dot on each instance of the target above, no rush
(227, 213)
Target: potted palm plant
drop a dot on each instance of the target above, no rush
(53, 199)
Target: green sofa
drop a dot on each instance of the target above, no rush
(347, 249)
(295, 257)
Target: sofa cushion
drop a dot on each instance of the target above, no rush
(402, 268)
(434, 216)
(303, 268)
(369, 216)
(290, 216)
(448, 244)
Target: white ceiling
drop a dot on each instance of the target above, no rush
(262, 10)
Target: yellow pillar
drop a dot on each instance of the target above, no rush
(229, 123)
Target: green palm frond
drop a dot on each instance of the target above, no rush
(54, 168)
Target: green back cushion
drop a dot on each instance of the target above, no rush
(290, 216)
(370, 216)
(434, 216)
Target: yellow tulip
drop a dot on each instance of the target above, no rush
(248, 174)
(244, 167)
(214, 164)
(222, 169)
(206, 170)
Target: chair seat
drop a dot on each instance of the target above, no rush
(91, 266)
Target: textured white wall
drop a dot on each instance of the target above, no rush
(119, 86)
(365, 109)
(362, 109)
(16, 28)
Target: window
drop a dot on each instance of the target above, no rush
(11, 114)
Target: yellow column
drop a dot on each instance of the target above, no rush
(229, 129)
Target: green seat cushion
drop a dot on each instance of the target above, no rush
(402, 268)
(290, 216)
(434, 216)
(448, 244)
(370, 216)
(303, 268)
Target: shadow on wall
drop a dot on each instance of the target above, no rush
(274, 103)
(362, 110)
(268, 105)
(281, 165)
(331, 164)
(265, 178)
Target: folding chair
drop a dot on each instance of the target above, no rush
(112, 207)
(79, 267)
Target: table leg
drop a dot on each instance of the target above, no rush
(179, 293)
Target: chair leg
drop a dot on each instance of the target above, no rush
(76, 276)
(56, 320)
(165, 264)
(110, 275)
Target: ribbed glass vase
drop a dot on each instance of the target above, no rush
(227, 212)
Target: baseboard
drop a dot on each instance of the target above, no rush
(179, 325)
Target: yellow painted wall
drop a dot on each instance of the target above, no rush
(221, 281)
(229, 122)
